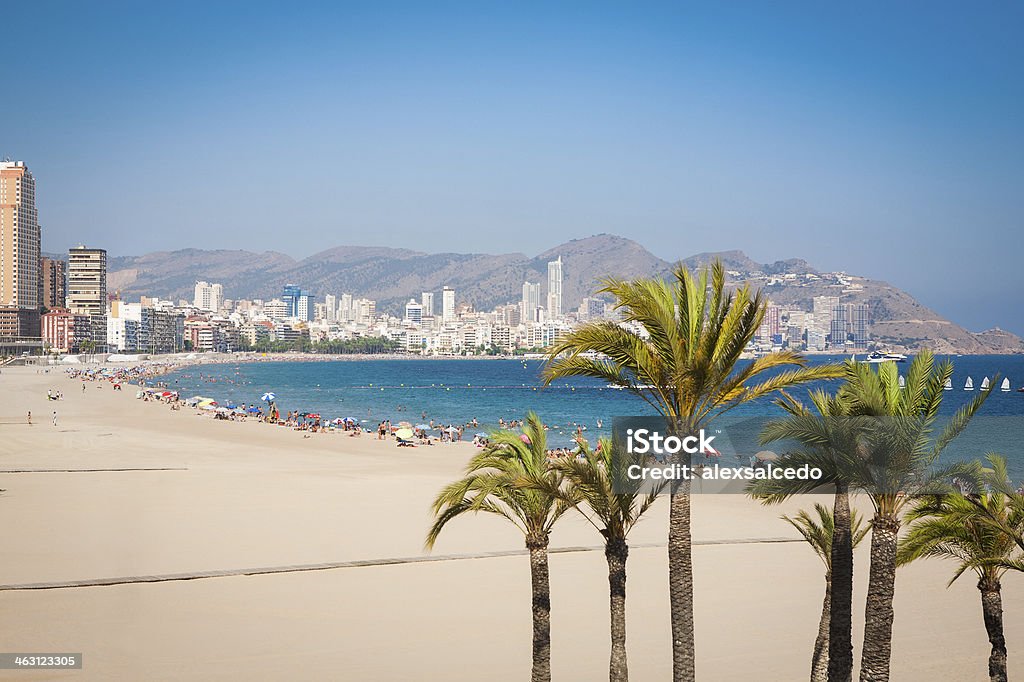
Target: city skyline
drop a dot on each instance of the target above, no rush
(880, 137)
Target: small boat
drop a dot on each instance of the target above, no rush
(984, 384)
(878, 356)
(948, 386)
(903, 383)
(1005, 386)
(969, 386)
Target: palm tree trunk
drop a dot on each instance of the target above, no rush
(540, 583)
(992, 608)
(878, 614)
(819, 663)
(616, 552)
(680, 579)
(840, 622)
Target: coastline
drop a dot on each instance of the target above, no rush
(122, 488)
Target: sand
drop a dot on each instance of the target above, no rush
(346, 518)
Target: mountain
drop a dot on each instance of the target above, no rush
(392, 275)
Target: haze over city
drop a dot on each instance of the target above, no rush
(884, 142)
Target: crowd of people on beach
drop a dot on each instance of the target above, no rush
(146, 376)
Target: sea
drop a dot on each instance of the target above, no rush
(458, 391)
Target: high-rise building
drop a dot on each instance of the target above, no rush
(19, 237)
(345, 313)
(413, 311)
(208, 296)
(530, 302)
(823, 306)
(53, 286)
(555, 288)
(87, 289)
(840, 327)
(87, 281)
(331, 304)
(298, 302)
(859, 324)
(448, 304)
(427, 301)
(19, 252)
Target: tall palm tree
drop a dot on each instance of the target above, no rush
(819, 535)
(893, 467)
(680, 351)
(954, 527)
(494, 484)
(598, 485)
(822, 437)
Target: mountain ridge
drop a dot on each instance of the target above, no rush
(392, 275)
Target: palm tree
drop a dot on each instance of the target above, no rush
(822, 438)
(598, 485)
(954, 527)
(683, 361)
(819, 535)
(494, 484)
(893, 468)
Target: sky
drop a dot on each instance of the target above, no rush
(883, 139)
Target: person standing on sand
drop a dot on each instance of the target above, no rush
(55, 417)
(30, 417)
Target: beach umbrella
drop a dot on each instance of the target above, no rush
(766, 456)
(481, 435)
(350, 420)
(268, 397)
(405, 434)
(166, 393)
(404, 425)
(205, 402)
(452, 430)
(423, 427)
(313, 415)
(229, 405)
(253, 410)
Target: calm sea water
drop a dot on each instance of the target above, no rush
(457, 391)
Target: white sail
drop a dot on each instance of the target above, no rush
(949, 385)
(969, 386)
(984, 384)
(903, 382)
(1005, 386)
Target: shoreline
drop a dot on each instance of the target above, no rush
(122, 488)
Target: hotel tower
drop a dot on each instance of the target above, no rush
(19, 252)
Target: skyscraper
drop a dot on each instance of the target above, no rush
(555, 288)
(530, 302)
(448, 304)
(87, 288)
(19, 251)
(53, 287)
(427, 301)
(331, 303)
(208, 296)
(298, 301)
(413, 311)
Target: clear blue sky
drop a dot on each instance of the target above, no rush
(886, 139)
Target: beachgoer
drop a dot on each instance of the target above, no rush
(55, 417)
(30, 417)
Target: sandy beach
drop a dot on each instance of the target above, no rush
(166, 545)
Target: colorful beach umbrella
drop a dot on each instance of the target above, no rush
(268, 397)
(422, 427)
(405, 434)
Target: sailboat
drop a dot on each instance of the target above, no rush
(969, 386)
(948, 385)
(1005, 386)
(984, 384)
